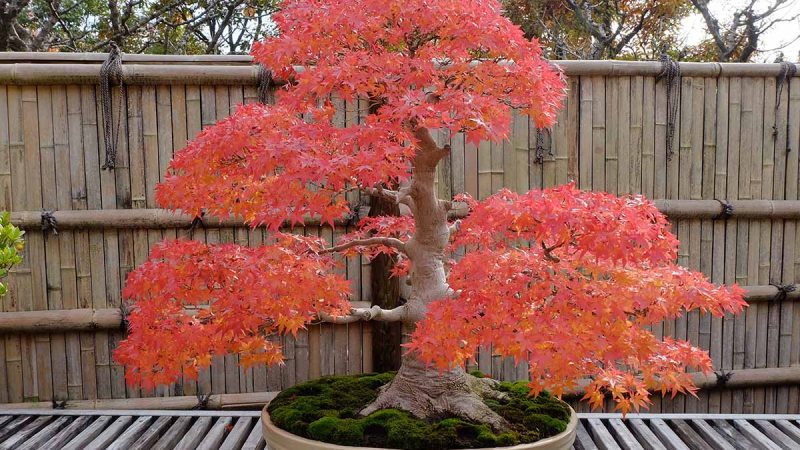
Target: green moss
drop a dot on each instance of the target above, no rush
(327, 410)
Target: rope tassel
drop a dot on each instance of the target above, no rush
(111, 73)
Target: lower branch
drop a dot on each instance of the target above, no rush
(395, 243)
(366, 314)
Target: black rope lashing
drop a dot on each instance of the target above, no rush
(197, 221)
(783, 291)
(111, 74)
(540, 146)
(202, 401)
(59, 404)
(722, 378)
(671, 72)
(124, 313)
(726, 211)
(787, 71)
(264, 83)
(49, 222)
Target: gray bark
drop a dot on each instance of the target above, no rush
(425, 391)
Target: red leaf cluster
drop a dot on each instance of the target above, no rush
(566, 281)
(193, 301)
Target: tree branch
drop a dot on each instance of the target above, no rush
(395, 243)
(367, 314)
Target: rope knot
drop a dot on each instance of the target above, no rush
(264, 83)
(49, 222)
(726, 211)
(723, 377)
(202, 401)
(783, 291)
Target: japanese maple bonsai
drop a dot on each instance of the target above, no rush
(561, 279)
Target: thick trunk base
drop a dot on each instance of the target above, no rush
(429, 394)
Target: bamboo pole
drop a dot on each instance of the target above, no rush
(214, 402)
(58, 320)
(729, 380)
(72, 68)
(161, 218)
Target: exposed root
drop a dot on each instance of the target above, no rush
(428, 394)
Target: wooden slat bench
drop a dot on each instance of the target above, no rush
(235, 430)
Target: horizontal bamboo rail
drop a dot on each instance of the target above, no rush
(214, 401)
(60, 320)
(26, 68)
(57, 320)
(729, 380)
(740, 209)
(161, 218)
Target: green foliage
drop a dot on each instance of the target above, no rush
(327, 410)
(11, 246)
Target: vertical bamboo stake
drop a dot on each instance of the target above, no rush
(790, 334)
(586, 131)
(66, 242)
(52, 263)
(635, 142)
(720, 191)
(598, 148)
(624, 135)
(767, 169)
(77, 184)
(5, 205)
(572, 140)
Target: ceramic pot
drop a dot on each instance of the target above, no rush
(278, 439)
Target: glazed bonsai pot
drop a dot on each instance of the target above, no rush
(278, 439)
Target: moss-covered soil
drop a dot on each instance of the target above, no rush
(327, 410)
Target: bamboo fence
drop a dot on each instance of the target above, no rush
(730, 189)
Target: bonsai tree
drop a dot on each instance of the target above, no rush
(564, 280)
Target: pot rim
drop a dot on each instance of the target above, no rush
(568, 433)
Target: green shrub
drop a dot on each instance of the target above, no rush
(327, 410)
(11, 246)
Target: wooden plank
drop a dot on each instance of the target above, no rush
(602, 437)
(239, 433)
(789, 429)
(776, 435)
(666, 435)
(21, 434)
(212, 440)
(130, 434)
(733, 435)
(687, 434)
(625, 438)
(76, 425)
(194, 437)
(88, 434)
(110, 434)
(711, 436)
(646, 436)
(174, 434)
(583, 441)
(756, 437)
(39, 439)
(151, 435)
(12, 427)
(255, 440)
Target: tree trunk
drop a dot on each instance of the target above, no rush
(386, 336)
(425, 391)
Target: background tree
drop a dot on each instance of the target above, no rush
(138, 26)
(740, 38)
(573, 303)
(604, 29)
